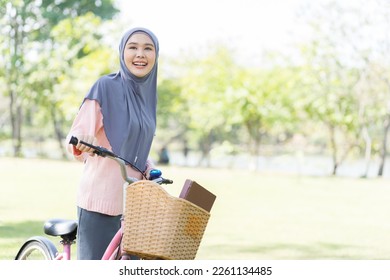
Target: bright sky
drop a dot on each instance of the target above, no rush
(183, 24)
(247, 26)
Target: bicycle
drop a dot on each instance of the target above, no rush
(40, 247)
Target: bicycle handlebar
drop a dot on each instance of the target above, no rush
(100, 151)
(103, 152)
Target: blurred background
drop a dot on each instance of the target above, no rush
(281, 108)
(296, 85)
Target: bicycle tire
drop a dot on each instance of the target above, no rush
(37, 248)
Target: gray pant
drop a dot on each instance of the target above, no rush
(95, 231)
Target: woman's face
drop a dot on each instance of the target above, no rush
(139, 54)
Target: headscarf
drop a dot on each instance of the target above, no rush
(128, 104)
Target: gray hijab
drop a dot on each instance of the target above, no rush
(128, 105)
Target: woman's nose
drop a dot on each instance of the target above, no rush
(140, 53)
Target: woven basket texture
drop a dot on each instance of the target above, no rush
(160, 226)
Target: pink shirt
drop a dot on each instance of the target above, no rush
(101, 186)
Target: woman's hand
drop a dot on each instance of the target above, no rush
(90, 139)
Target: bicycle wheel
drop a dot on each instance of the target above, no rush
(38, 248)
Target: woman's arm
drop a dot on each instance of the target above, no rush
(85, 127)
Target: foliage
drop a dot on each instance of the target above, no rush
(267, 104)
(172, 111)
(30, 46)
(337, 90)
(333, 94)
(206, 89)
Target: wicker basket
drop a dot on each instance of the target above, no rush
(160, 226)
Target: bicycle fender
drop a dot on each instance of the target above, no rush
(52, 249)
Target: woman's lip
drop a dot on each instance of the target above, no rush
(139, 63)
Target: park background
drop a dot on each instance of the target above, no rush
(281, 109)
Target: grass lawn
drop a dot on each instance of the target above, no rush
(256, 215)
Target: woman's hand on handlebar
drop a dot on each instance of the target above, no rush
(87, 139)
(88, 144)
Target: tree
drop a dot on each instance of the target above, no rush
(26, 26)
(266, 105)
(67, 69)
(15, 23)
(378, 60)
(332, 65)
(205, 89)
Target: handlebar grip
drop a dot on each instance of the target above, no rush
(100, 151)
(74, 141)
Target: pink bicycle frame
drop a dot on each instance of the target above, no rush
(65, 255)
(115, 245)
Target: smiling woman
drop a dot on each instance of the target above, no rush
(139, 54)
(118, 113)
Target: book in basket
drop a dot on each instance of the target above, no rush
(160, 226)
(197, 194)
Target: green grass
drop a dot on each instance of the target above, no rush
(256, 215)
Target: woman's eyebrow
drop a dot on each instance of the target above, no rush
(136, 43)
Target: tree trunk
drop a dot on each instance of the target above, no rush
(367, 153)
(384, 145)
(257, 142)
(16, 124)
(333, 148)
(58, 130)
(205, 148)
(14, 78)
(254, 130)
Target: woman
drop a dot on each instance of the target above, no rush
(118, 113)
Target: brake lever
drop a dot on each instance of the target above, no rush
(101, 151)
(161, 180)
